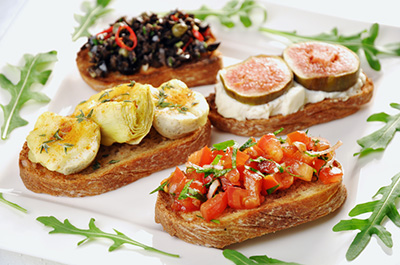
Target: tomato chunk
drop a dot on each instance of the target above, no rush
(201, 157)
(177, 181)
(330, 175)
(298, 136)
(186, 205)
(271, 146)
(270, 184)
(241, 158)
(214, 207)
(236, 197)
(300, 169)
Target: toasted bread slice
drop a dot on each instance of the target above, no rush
(311, 114)
(198, 73)
(114, 166)
(302, 202)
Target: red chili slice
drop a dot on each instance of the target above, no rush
(132, 37)
(197, 35)
(105, 33)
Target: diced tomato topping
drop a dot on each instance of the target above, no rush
(271, 146)
(270, 184)
(237, 197)
(234, 177)
(186, 205)
(300, 169)
(328, 175)
(284, 179)
(201, 157)
(177, 181)
(246, 177)
(253, 182)
(292, 152)
(298, 136)
(214, 207)
(318, 164)
(268, 167)
(241, 158)
(254, 151)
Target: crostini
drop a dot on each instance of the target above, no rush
(150, 49)
(231, 193)
(316, 83)
(109, 140)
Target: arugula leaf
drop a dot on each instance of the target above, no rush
(379, 140)
(364, 40)
(14, 205)
(380, 210)
(94, 232)
(232, 8)
(93, 12)
(240, 259)
(34, 71)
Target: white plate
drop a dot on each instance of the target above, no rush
(131, 208)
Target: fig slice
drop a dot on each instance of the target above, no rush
(323, 66)
(257, 80)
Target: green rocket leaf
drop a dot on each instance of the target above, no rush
(240, 259)
(379, 140)
(380, 210)
(92, 13)
(35, 70)
(94, 232)
(361, 41)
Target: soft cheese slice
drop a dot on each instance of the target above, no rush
(63, 144)
(179, 110)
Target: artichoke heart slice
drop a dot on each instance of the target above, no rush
(63, 144)
(124, 113)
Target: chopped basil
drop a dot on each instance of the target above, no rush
(216, 160)
(249, 143)
(234, 156)
(271, 190)
(188, 192)
(278, 131)
(223, 145)
(161, 187)
(261, 159)
(254, 170)
(212, 171)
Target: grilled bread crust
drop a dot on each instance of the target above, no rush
(114, 166)
(311, 114)
(198, 73)
(302, 202)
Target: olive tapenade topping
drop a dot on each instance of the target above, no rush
(149, 41)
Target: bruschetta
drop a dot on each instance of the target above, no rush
(151, 49)
(230, 193)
